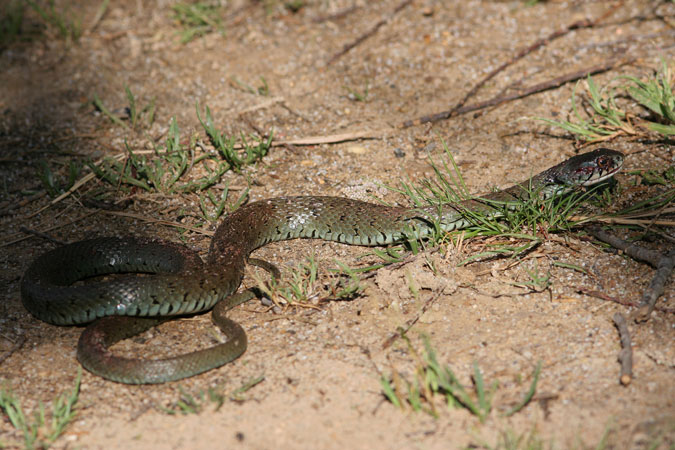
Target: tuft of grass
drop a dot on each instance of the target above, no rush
(219, 203)
(11, 22)
(67, 25)
(262, 90)
(608, 119)
(49, 180)
(511, 440)
(306, 286)
(300, 289)
(357, 96)
(294, 6)
(225, 145)
(172, 168)
(196, 403)
(134, 113)
(197, 19)
(433, 380)
(37, 431)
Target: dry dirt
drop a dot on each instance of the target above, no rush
(322, 366)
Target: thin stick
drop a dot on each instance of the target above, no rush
(626, 353)
(579, 24)
(42, 235)
(11, 207)
(537, 88)
(159, 222)
(664, 265)
(651, 257)
(657, 286)
(17, 345)
(401, 331)
(332, 139)
(23, 238)
(368, 33)
(609, 298)
(526, 51)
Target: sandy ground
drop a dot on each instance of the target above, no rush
(322, 366)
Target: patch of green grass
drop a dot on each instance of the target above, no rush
(172, 168)
(11, 22)
(357, 96)
(294, 5)
(196, 403)
(37, 431)
(511, 440)
(226, 145)
(197, 19)
(262, 90)
(434, 381)
(64, 21)
(608, 119)
(306, 285)
(167, 171)
(136, 115)
(49, 180)
(219, 204)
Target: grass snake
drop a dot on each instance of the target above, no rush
(182, 283)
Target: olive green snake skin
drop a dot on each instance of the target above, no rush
(183, 284)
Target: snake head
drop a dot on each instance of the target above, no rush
(589, 168)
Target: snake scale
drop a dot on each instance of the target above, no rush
(126, 305)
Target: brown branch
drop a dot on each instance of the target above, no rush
(401, 331)
(664, 264)
(579, 24)
(368, 33)
(42, 235)
(657, 286)
(526, 51)
(537, 88)
(609, 298)
(18, 343)
(626, 353)
(22, 238)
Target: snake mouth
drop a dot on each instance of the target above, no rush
(601, 175)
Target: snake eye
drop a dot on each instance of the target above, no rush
(603, 163)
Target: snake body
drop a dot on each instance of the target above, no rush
(183, 284)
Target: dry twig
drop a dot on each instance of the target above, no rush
(498, 100)
(18, 343)
(368, 33)
(663, 263)
(626, 353)
(579, 24)
(403, 330)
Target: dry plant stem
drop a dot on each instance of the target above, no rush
(23, 238)
(656, 287)
(17, 345)
(663, 263)
(43, 236)
(626, 353)
(546, 85)
(8, 208)
(520, 55)
(609, 298)
(403, 330)
(368, 33)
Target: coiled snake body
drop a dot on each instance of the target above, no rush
(183, 284)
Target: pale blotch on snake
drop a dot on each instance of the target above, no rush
(183, 284)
